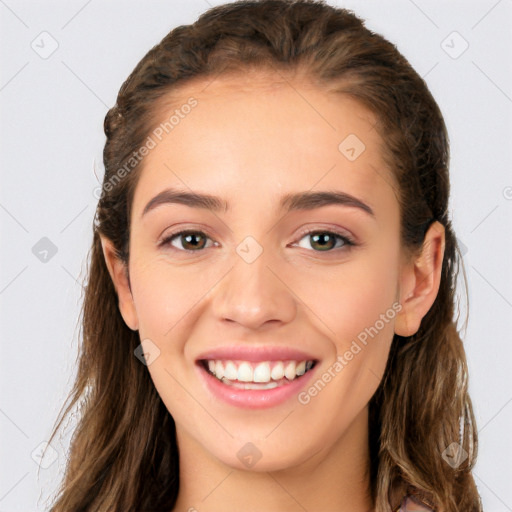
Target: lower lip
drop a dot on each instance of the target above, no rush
(254, 398)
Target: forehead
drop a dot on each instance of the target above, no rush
(265, 136)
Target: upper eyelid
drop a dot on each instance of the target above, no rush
(343, 232)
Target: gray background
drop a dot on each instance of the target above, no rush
(52, 110)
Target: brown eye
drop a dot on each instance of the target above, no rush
(190, 241)
(325, 241)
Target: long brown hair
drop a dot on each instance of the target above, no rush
(123, 454)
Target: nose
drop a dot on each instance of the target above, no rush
(254, 295)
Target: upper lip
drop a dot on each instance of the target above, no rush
(255, 354)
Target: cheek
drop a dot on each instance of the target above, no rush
(167, 300)
(353, 296)
(363, 322)
(163, 296)
(360, 308)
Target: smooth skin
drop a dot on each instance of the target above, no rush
(251, 139)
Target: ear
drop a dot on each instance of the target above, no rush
(119, 274)
(419, 281)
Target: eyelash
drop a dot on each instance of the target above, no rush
(348, 242)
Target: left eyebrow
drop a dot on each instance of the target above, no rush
(289, 202)
(311, 200)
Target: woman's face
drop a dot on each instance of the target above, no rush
(255, 296)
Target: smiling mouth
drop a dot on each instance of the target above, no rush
(257, 375)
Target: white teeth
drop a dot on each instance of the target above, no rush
(277, 372)
(245, 373)
(260, 373)
(219, 369)
(230, 371)
(289, 371)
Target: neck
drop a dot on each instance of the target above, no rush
(336, 479)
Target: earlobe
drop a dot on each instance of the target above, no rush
(118, 273)
(420, 280)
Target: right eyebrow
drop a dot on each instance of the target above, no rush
(192, 199)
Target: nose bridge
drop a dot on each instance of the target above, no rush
(251, 294)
